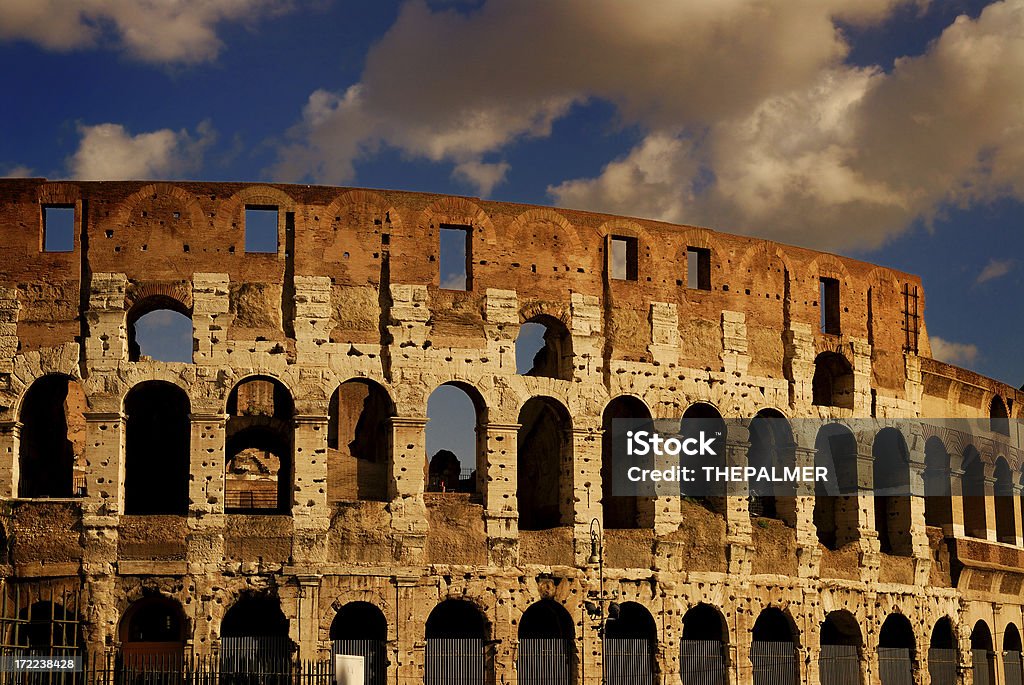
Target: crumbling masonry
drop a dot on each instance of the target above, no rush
(285, 467)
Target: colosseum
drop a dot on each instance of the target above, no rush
(273, 499)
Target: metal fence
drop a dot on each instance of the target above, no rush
(454, 661)
(839, 665)
(774, 663)
(628, 661)
(544, 661)
(702, 662)
(895, 666)
(942, 666)
(983, 667)
(1012, 667)
(374, 653)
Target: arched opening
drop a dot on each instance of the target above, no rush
(254, 638)
(1006, 525)
(999, 419)
(1012, 666)
(358, 442)
(832, 385)
(48, 629)
(454, 433)
(622, 511)
(891, 482)
(455, 635)
(544, 473)
(772, 446)
(773, 650)
(544, 348)
(152, 632)
(546, 645)
(51, 449)
(982, 655)
(702, 649)
(942, 660)
(698, 418)
(896, 651)
(259, 443)
(938, 500)
(630, 644)
(839, 663)
(360, 629)
(158, 435)
(835, 500)
(160, 329)
(975, 520)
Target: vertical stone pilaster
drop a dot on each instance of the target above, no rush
(211, 317)
(581, 476)
(664, 347)
(587, 336)
(312, 319)
(407, 656)
(10, 446)
(956, 488)
(808, 549)
(406, 485)
(310, 513)
(990, 505)
(206, 487)
(10, 307)
(735, 357)
(308, 615)
(798, 364)
(105, 475)
(107, 344)
(501, 508)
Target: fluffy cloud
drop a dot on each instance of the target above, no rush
(108, 151)
(183, 31)
(996, 268)
(959, 354)
(19, 171)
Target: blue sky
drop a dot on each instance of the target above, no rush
(887, 130)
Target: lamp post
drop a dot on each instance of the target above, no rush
(596, 611)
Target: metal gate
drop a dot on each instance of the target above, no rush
(774, 663)
(702, 662)
(544, 661)
(895, 666)
(982, 667)
(1012, 668)
(628, 661)
(454, 661)
(942, 666)
(374, 653)
(839, 665)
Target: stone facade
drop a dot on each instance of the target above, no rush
(348, 314)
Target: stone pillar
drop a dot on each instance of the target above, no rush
(10, 445)
(990, 505)
(207, 463)
(501, 508)
(587, 338)
(581, 476)
(310, 469)
(1017, 514)
(808, 551)
(859, 520)
(920, 549)
(104, 452)
(736, 508)
(407, 657)
(107, 344)
(956, 491)
(308, 615)
(406, 485)
(664, 347)
(211, 317)
(735, 357)
(312, 319)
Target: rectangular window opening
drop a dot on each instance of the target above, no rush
(456, 256)
(261, 228)
(829, 300)
(698, 268)
(58, 228)
(624, 260)
(911, 318)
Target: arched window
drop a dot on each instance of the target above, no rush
(455, 636)
(841, 643)
(544, 348)
(622, 511)
(544, 469)
(942, 658)
(1006, 517)
(702, 649)
(982, 655)
(999, 421)
(973, 484)
(832, 385)
(546, 645)
(254, 637)
(153, 632)
(358, 442)
(772, 446)
(157, 438)
(260, 437)
(1012, 655)
(360, 629)
(51, 451)
(455, 429)
(160, 329)
(891, 482)
(896, 651)
(938, 501)
(698, 418)
(773, 650)
(835, 501)
(630, 645)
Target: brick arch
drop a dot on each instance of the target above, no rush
(251, 373)
(373, 597)
(161, 591)
(460, 210)
(189, 203)
(831, 267)
(522, 223)
(554, 310)
(625, 227)
(58, 193)
(231, 210)
(134, 378)
(694, 236)
(366, 207)
(179, 292)
(764, 250)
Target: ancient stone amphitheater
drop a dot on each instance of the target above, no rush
(274, 498)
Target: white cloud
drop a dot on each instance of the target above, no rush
(996, 268)
(959, 354)
(108, 151)
(19, 171)
(177, 31)
(481, 175)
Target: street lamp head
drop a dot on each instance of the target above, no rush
(593, 610)
(595, 550)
